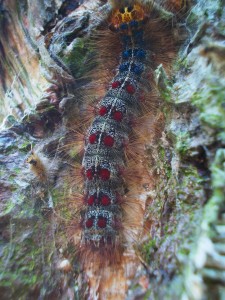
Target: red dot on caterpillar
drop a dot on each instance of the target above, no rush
(105, 200)
(108, 141)
(102, 111)
(92, 138)
(130, 89)
(118, 116)
(89, 174)
(116, 84)
(91, 200)
(102, 222)
(89, 223)
(104, 174)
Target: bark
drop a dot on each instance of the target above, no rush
(43, 58)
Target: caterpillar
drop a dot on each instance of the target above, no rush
(104, 160)
(140, 37)
(37, 166)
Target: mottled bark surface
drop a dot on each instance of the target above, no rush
(44, 55)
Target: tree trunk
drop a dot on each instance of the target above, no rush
(45, 56)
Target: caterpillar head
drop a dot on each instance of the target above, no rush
(127, 14)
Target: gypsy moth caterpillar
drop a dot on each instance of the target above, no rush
(126, 120)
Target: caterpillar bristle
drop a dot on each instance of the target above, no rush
(74, 177)
(42, 166)
(100, 254)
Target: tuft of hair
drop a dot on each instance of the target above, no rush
(101, 256)
(42, 167)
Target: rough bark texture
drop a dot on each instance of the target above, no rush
(184, 253)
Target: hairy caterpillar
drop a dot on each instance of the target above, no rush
(126, 118)
(42, 166)
(104, 158)
(37, 166)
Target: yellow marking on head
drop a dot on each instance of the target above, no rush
(127, 14)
